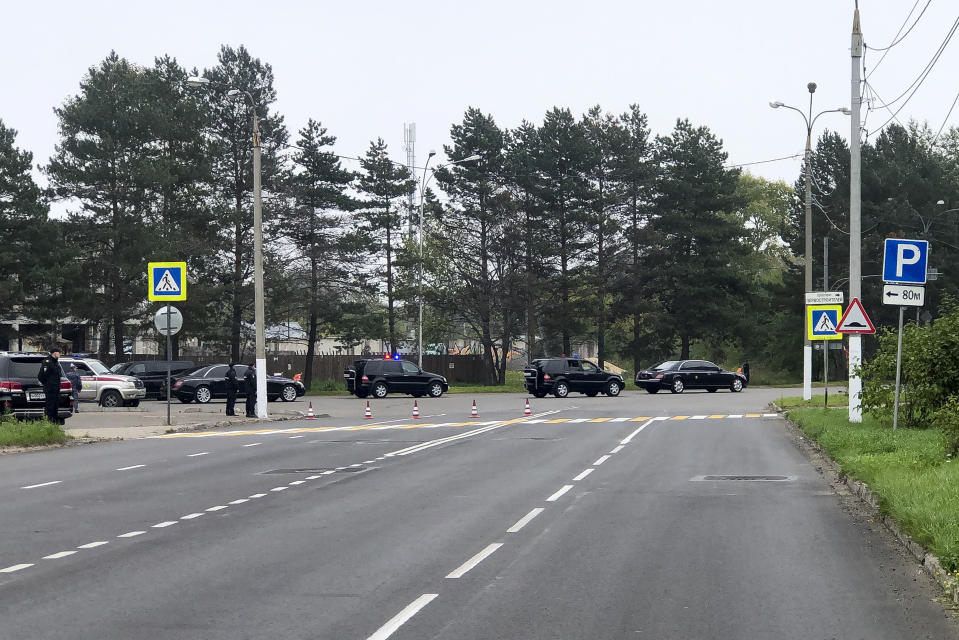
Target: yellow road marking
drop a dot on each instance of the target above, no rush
(639, 419)
(599, 420)
(753, 415)
(557, 420)
(679, 417)
(718, 416)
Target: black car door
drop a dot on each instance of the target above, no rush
(714, 375)
(593, 377)
(216, 378)
(414, 378)
(694, 375)
(575, 376)
(394, 376)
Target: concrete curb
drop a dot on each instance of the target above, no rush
(929, 562)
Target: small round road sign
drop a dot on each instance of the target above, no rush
(175, 320)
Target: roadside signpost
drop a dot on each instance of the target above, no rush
(167, 282)
(821, 321)
(824, 297)
(904, 262)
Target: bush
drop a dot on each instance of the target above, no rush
(930, 370)
(946, 419)
(30, 433)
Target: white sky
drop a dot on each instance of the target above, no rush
(365, 68)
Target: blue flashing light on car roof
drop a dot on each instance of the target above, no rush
(396, 356)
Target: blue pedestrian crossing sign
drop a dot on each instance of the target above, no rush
(166, 281)
(904, 261)
(821, 321)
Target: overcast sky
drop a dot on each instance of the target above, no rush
(365, 68)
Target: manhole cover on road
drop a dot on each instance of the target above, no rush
(747, 478)
(313, 470)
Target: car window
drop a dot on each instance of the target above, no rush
(691, 364)
(409, 367)
(710, 366)
(98, 367)
(663, 366)
(391, 366)
(573, 364)
(137, 370)
(589, 367)
(553, 366)
(82, 368)
(217, 372)
(24, 367)
(119, 367)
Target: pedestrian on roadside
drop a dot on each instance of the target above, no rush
(746, 371)
(231, 387)
(49, 376)
(249, 387)
(77, 384)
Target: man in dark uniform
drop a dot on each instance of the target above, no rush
(249, 386)
(231, 390)
(49, 377)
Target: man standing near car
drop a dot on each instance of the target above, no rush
(249, 387)
(231, 390)
(49, 377)
(76, 384)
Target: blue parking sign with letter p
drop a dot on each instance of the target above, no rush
(905, 261)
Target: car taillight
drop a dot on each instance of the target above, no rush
(10, 385)
(364, 378)
(65, 384)
(546, 377)
(178, 384)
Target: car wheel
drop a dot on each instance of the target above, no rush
(736, 386)
(111, 399)
(561, 390)
(435, 390)
(539, 394)
(677, 385)
(380, 390)
(613, 388)
(711, 389)
(288, 394)
(202, 395)
(652, 389)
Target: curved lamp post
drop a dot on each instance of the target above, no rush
(810, 121)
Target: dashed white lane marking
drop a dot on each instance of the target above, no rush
(628, 438)
(131, 534)
(219, 507)
(619, 419)
(296, 482)
(295, 437)
(354, 466)
(202, 453)
(62, 554)
(257, 495)
(15, 567)
(559, 494)
(475, 560)
(662, 418)
(698, 417)
(737, 415)
(583, 475)
(617, 449)
(283, 488)
(191, 516)
(522, 522)
(42, 484)
(135, 466)
(253, 444)
(164, 525)
(313, 477)
(579, 419)
(601, 460)
(537, 421)
(240, 501)
(770, 415)
(92, 545)
(326, 473)
(400, 618)
(369, 461)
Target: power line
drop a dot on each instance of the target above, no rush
(946, 119)
(746, 164)
(896, 38)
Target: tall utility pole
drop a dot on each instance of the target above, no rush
(409, 144)
(855, 220)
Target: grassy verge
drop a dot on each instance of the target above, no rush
(907, 469)
(30, 433)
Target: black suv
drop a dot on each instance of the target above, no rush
(559, 376)
(380, 377)
(21, 393)
(152, 373)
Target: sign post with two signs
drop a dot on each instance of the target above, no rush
(166, 283)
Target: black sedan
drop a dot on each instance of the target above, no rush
(205, 383)
(679, 375)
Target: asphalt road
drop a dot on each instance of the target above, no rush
(593, 518)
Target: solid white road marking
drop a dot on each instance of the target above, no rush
(15, 567)
(697, 417)
(737, 415)
(131, 534)
(400, 618)
(191, 516)
(219, 507)
(661, 418)
(135, 466)
(770, 415)
(475, 560)
(583, 475)
(164, 525)
(635, 433)
(62, 554)
(522, 522)
(253, 444)
(579, 419)
(617, 449)
(619, 419)
(202, 453)
(240, 501)
(91, 545)
(559, 494)
(601, 460)
(42, 484)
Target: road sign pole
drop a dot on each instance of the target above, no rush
(895, 411)
(168, 332)
(825, 287)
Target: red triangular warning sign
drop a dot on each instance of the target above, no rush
(855, 320)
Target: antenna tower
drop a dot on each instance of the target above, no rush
(409, 143)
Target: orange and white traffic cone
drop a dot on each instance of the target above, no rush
(369, 413)
(527, 411)
(416, 411)
(309, 413)
(474, 413)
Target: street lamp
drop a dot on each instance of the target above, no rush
(259, 313)
(810, 121)
(419, 237)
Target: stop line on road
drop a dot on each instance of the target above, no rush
(434, 425)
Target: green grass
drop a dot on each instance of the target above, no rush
(907, 469)
(31, 433)
(795, 402)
